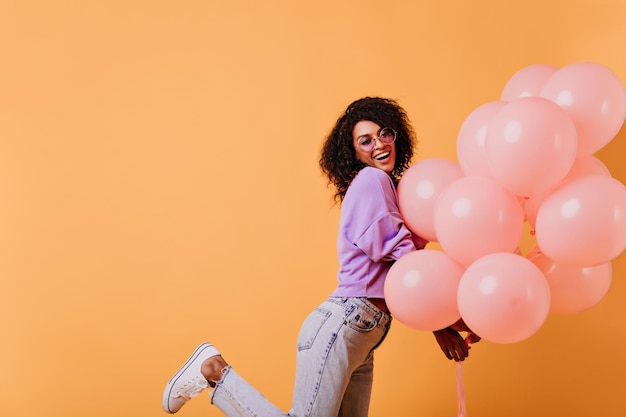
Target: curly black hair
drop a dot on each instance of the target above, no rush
(338, 159)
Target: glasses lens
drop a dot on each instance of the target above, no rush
(387, 135)
(367, 143)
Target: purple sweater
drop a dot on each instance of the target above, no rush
(372, 235)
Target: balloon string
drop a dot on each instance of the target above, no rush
(460, 390)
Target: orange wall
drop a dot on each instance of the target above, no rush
(159, 187)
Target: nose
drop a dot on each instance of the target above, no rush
(377, 141)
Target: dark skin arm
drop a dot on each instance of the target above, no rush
(453, 345)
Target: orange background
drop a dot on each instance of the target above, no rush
(159, 186)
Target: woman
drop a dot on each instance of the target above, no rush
(365, 154)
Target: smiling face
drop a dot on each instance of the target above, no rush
(382, 156)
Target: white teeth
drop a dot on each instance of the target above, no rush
(381, 156)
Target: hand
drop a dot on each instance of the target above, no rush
(460, 326)
(452, 344)
(472, 338)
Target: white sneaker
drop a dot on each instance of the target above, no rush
(188, 381)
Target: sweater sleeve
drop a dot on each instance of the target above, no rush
(375, 222)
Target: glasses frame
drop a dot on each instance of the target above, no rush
(374, 139)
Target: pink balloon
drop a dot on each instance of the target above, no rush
(593, 96)
(418, 190)
(421, 288)
(584, 165)
(583, 222)
(530, 145)
(474, 216)
(470, 144)
(527, 82)
(504, 298)
(574, 289)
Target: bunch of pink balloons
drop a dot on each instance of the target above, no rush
(524, 159)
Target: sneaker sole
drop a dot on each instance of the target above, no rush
(168, 388)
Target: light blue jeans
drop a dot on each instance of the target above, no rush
(334, 365)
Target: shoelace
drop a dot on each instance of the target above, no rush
(192, 388)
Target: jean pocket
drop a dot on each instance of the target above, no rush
(311, 327)
(363, 320)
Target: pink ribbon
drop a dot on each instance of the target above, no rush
(460, 390)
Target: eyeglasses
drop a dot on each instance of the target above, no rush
(387, 136)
